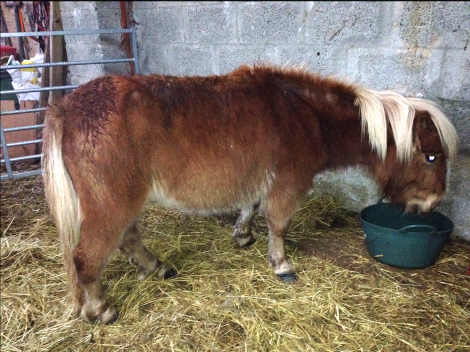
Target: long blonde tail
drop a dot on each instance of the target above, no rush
(61, 197)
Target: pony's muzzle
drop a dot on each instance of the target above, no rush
(423, 206)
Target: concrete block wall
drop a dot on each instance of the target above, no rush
(88, 15)
(415, 48)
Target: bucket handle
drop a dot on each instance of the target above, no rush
(381, 200)
(422, 227)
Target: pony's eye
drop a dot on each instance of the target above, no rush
(430, 158)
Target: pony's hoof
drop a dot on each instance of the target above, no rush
(108, 316)
(292, 277)
(251, 241)
(243, 240)
(113, 319)
(166, 272)
(170, 273)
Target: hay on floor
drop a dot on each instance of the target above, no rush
(226, 298)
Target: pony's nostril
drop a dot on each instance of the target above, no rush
(413, 208)
(434, 204)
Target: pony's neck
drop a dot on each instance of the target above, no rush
(346, 144)
(333, 110)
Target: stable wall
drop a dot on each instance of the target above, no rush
(415, 48)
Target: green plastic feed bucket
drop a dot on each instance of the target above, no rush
(402, 239)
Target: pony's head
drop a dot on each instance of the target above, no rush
(414, 141)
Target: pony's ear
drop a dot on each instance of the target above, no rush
(425, 134)
(422, 123)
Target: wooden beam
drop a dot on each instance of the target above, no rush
(45, 80)
(57, 53)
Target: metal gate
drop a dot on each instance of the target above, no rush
(6, 161)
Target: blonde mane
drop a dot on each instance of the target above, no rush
(379, 108)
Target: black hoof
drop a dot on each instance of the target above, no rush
(249, 243)
(243, 240)
(287, 277)
(170, 273)
(113, 319)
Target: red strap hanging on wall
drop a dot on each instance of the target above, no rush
(125, 45)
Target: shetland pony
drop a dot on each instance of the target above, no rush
(251, 140)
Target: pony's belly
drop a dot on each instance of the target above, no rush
(210, 196)
(206, 205)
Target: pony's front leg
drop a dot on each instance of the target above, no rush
(138, 255)
(242, 233)
(276, 250)
(278, 209)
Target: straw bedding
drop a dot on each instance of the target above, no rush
(226, 298)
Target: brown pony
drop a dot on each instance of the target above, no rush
(249, 140)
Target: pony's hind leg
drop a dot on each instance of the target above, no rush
(98, 240)
(242, 233)
(138, 255)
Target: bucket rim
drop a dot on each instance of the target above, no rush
(406, 229)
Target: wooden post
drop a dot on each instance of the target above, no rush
(58, 74)
(16, 10)
(44, 95)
